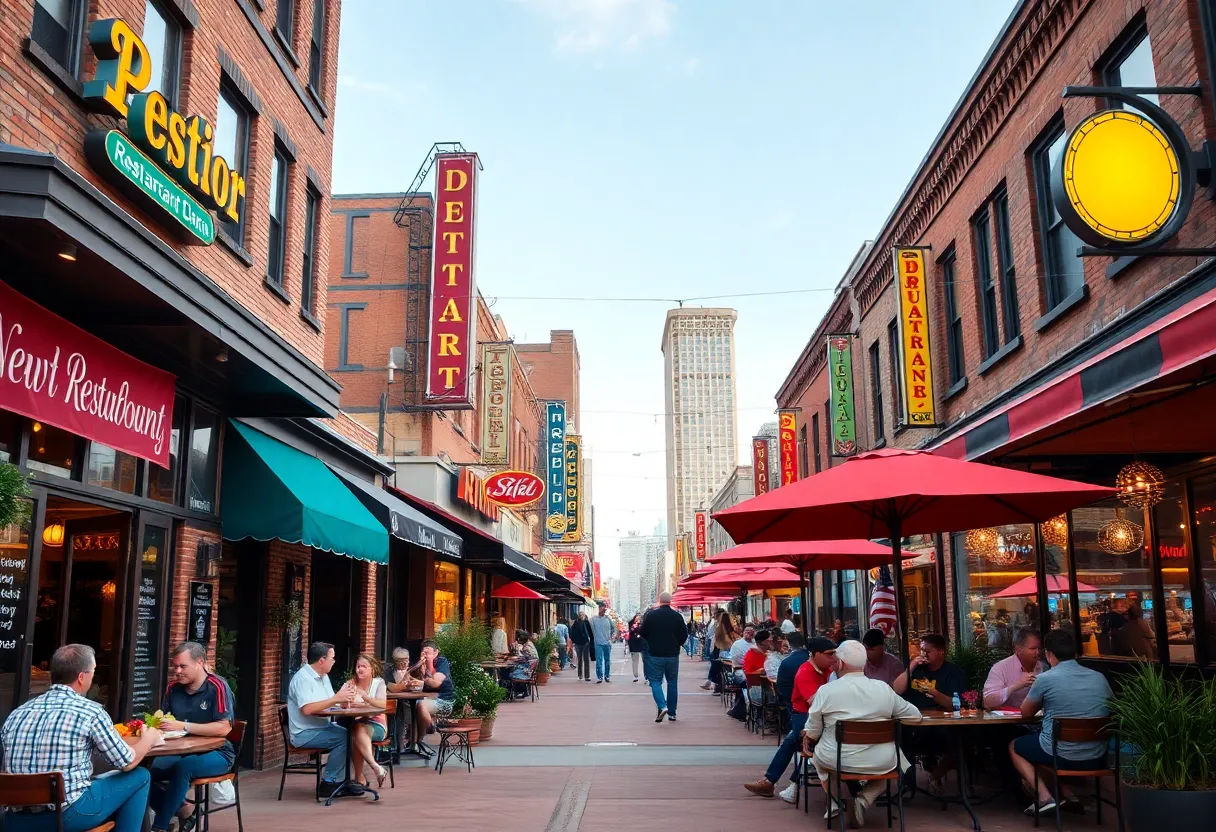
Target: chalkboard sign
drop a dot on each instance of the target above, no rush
(201, 606)
(14, 572)
(145, 684)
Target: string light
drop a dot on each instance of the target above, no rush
(1055, 531)
(1140, 484)
(982, 542)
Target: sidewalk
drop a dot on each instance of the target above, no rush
(546, 770)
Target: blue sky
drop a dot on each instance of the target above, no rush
(657, 149)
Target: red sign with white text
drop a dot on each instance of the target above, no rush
(701, 519)
(760, 465)
(57, 373)
(786, 443)
(573, 566)
(595, 571)
(470, 490)
(453, 341)
(514, 488)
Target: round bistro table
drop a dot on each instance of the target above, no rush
(413, 697)
(348, 717)
(179, 747)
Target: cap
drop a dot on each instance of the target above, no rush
(820, 644)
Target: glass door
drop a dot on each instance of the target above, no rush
(148, 618)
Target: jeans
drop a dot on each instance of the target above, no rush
(561, 655)
(171, 778)
(333, 739)
(121, 797)
(583, 653)
(603, 661)
(635, 659)
(660, 668)
(789, 746)
(690, 646)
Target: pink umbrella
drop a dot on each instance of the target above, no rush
(1028, 587)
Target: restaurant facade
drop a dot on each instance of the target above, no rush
(1094, 368)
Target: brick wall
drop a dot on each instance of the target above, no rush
(185, 558)
(278, 554)
(555, 369)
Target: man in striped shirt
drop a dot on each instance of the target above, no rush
(59, 731)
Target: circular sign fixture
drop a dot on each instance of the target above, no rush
(556, 524)
(1121, 182)
(514, 488)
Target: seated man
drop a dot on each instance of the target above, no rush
(1010, 679)
(1067, 690)
(880, 664)
(309, 694)
(437, 677)
(930, 684)
(202, 705)
(79, 727)
(853, 696)
(784, 684)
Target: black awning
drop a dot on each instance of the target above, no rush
(401, 519)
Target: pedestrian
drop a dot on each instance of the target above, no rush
(601, 630)
(581, 637)
(637, 646)
(562, 631)
(665, 633)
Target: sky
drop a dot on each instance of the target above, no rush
(662, 150)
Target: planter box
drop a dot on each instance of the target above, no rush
(1147, 810)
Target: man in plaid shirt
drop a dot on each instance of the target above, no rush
(59, 731)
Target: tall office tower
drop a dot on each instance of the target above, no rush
(701, 420)
(639, 557)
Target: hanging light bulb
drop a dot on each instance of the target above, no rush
(981, 542)
(1120, 537)
(1140, 484)
(52, 535)
(107, 590)
(1055, 531)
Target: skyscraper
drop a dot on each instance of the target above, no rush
(701, 420)
(640, 556)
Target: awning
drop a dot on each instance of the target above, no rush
(401, 519)
(1175, 341)
(480, 548)
(273, 491)
(517, 591)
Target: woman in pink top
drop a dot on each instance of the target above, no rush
(369, 687)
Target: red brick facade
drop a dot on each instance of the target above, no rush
(553, 370)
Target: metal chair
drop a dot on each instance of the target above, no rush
(805, 773)
(857, 732)
(1091, 729)
(389, 742)
(454, 742)
(27, 791)
(202, 795)
(312, 763)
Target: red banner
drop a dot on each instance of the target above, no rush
(701, 520)
(595, 571)
(57, 373)
(760, 465)
(787, 443)
(453, 339)
(572, 566)
(471, 490)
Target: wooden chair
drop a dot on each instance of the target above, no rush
(202, 795)
(1092, 729)
(27, 791)
(454, 742)
(312, 764)
(387, 744)
(859, 732)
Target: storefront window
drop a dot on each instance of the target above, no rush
(1203, 496)
(920, 588)
(479, 595)
(52, 450)
(10, 423)
(162, 482)
(847, 613)
(1170, 524)
(110, 468)
(466, 582)
(822, 620)
(1060, 614)
(447, 588)
(204, 460)
(997, 584)
(1114, 584)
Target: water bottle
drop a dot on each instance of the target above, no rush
(958, 707)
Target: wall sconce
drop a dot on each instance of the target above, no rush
(52, 535)
(107, 590)
(206, 559)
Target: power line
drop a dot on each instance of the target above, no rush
(678, 301)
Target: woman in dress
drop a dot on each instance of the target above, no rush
(522, 671)
(498, 638)
(636, 644)
(369, 687)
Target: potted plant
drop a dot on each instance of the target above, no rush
(546, 647)
(1170, 770)
(465, 644)
(976, 661)
(484, 697)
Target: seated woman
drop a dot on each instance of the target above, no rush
(498, 638)
(397, 676)
(522, 671)
(369, 687)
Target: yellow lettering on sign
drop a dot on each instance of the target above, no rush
(911, 279)
(448, 374)
(134, 67)
(454, 212)
(451, 270)
(450, 237)
(450, 314)
(455, 180)
(449, 343)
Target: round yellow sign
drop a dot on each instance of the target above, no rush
(1121, 178)
(556, 523)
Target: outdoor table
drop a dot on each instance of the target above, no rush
(413, 697)
(945, 719)
(179, 747)
(350, 716)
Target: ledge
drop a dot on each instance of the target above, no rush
(1000, 355)
(232, 245)
(1119, 265)
(56, 71)
(1062, 308)
(956, 388)
(309, 319)
(316, 99)
(276, 290)
(286, 46)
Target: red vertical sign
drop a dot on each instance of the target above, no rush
(595, 571)
(760, 465)
(787, 443)
(701, 535)
(453, 331)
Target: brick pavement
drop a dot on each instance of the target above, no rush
(539, 775)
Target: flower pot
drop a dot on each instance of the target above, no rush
(474, 723)
(555, 666)
(542, 677)
(1145, 809)
(487, 728)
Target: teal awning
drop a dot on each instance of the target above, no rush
(273, 491)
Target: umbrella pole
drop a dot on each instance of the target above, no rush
(802, 588)
(897, 573)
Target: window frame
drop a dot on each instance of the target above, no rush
(174, 30)
(1011, 316)
(276, 267)
(815, 443)
(878, 421)
(897, 383)
(348, 246)
(316, 48)
(1127, 43)
(1054, 292)
(308, 270)
(947, 265)
(344, 336)
(232, 95)
(79, 13)
(985, 286)
(285, 32)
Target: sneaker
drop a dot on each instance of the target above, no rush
(186, 824)
(662, 713)
(790, 793)
(606, 679)
(1072, 805)
(635, 678)
(1046, 806)
(599, 681)
(326, 789)
(671, 717)
(761, 787)
(858, 813)
(707, 686)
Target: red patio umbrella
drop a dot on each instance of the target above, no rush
(1029, 586)
(517, 591)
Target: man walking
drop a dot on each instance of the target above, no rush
(665, 633)
(581, 637)
(562, 632)
(601, 630)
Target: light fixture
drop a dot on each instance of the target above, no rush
(52, 535)
(981, 542)
(68, 252)
(1055, 531)
(107, 590)
(1120, 537)
(222, 355)
(1140, 484)
(37, 426)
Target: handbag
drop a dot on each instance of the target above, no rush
(222, 793)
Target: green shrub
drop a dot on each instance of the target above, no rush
(976, 661)
(465, 644)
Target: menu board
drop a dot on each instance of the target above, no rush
(13, 569)
(200, 612)
(149, 652)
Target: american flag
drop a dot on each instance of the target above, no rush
(882, 603)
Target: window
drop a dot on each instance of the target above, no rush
(1114, 581)
(204, 460)
(232, 143)
(815, 442)
(991, 575)
(1131, 64)
(1004, 259)
(284, 19)
(984, 285)
(1203, 533)
(344, 335)
(162, 482)
(58, 25)
(1063, 270)
(312, 203)
(954, 321)
(803, 463)
(278, 217)
(53, 450)
(876, 395)
(110, 468)
(1174, 566)
(315, 43)
(354, 246)
(897, 387)
(163, 37)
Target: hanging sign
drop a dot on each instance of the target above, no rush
(574, 489)
(453, 311)
(760, 464)
(514, 488)
(496, 404)
(919, 403)
(555, 468)
(595, 570)
(701, 543)
(201, 605)
(787, 425)
(165, 159)
(471, 490)
(572, 565)
(840, 368)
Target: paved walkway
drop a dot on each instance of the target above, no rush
(590, 757)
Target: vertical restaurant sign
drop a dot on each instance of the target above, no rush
(701, 522)
(574, 489)
(680, 567)
(555, 471)
(760, 464)
(787, 425)
(573, 566)
(844, 419)
(453, 313)
(919, 409)
(54, 372)
(595, 569)
(496, 404)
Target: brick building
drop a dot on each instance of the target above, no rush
(553, 369)
(1043, 359)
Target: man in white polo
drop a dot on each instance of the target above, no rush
(309, 694)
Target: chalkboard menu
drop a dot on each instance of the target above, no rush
(149, 652)
(201, 605)
(14, 571)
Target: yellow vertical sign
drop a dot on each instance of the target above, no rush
(911, 281)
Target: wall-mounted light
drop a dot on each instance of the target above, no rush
(222, 355)
(207, 559)
(52, 535)
(67, 252)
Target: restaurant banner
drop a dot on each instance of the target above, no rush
(496, 404)
(702, 519)
(842, 415)
(453, 314)
(555, 468)
(573, 566)
(574, 489)
(760, 464)
(599, 587)
(55, 372)
(787, 444)
(919, 408)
